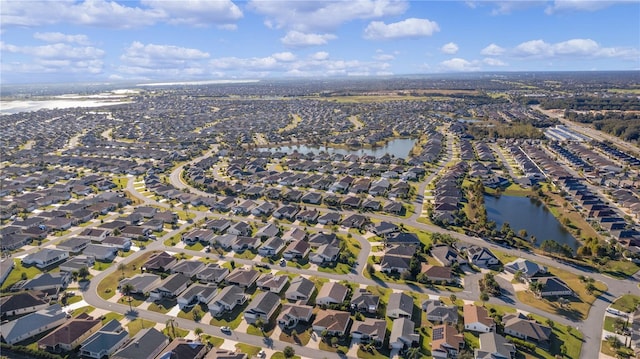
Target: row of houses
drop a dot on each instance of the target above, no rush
(447, 194)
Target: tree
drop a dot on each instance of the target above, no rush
(289, 352)
(83, 272)
(453, 299)
(122, 267)
(613, 341)
(484, 297)
(260, 324)
(198, 331)
(171, 328)
(334, 341)
(536, 287)
(413, 353)
(127, 289)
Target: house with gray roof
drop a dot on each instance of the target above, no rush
(146, 344)
(332, 293)
(170, 287)
(263, 306)
(212, 273)
(403, 334)
(183, 348)
(104, 342)
(519, 326)
(74, 245)
(244, 278)
(400, 306)
(554, 286)
(271, 247)
(32, 324)
(494, 346)
(6, 266)
(45, 257)
(141, 283)
(370, 330)
(300, 290)
(527, 268)
(226, 300)
(292, 314)
(197, 293)
(101, 252)
(69, 335)
(437, 312)
(46, 281)
(188, 268)
(365, 301)
(272, 283)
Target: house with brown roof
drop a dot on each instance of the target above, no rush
(272, 283)
(70, 334)
(159, 262)
(437, 273)
(335, 322)
(519, 326)
(296, 249)
(370, 330)
(477, 319)
(446, 342)
(292, 314)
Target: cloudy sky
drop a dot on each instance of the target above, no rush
(165, 40)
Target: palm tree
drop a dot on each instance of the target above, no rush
(536, 287)
(170, 323)
(484, 297)
(127, 289)
(198, 331)
(122, 267)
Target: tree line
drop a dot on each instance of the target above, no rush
(624, 125)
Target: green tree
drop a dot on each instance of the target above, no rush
(536, 287)
(83, 272)
(484, 297)
(198, 331)
(289, 352)
(127, 289)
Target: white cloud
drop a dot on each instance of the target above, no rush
(583, 5)
(55, 58)
(162, 60)
(384, 57)
(60, 37)
(409, 28)
(320, 55)
(197, 12)
(450, 48)
(457, 64)
(323, 16)
(494, 62)
(112, 14)
(284, 56)
(492, 50)
(585, 48)
(299, 39)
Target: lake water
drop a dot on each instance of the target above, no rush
(532, 216)
(399, 148)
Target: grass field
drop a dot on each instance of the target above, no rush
(627, 303)
(108, 286)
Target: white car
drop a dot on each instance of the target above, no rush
(225, 329)
(262, 354)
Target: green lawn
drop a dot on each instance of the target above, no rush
(17, 274)
(110, 316)
(231, 319)
(162, 307)
(179, 332)
(215, 341)
(136, 325)
(250, 350)
(627, 303)
(620, 269)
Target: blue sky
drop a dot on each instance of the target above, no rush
(164, 40)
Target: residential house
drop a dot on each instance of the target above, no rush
(73, 245)
(527, 268)
(326, 253)
(309, 216)
(119, 243)
(146, 344)
(335, 322)
(183, 348)
(402, 238)
(244, 278)
(242, 243)
(197, 293)
(101, 252)
(264, 209)
(437, 273)
(355, 221)
(271, 247)
(329, 218)
(332, 293)
(403, 334)
(159, 262)
(365, 301)
(370, 330)
(296, 249)
(300, 290)
(481, 257)
(56, 281)
(6, 266)
(170, 287)
(69, 335)
(400, 305)
(104, 342)
(494, 346)
(477, 319)
(519, 326)
(240, 229)
(32, 324)
(391, 263)
(45, 257)
(383, 229)
(294, 234)
(437, 312)
(226, 300)
(292, 314)
(446, 256)
(188, 268)
(212, 273)
(446, 342)
(141, 283)
(268, 230)
(554, 286)
(217, 353)
(198, 235)
(272, 283)
(218, 226)
(262, 307)
(21, 303)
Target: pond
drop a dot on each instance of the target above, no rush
(530, 215)
(399, 148)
